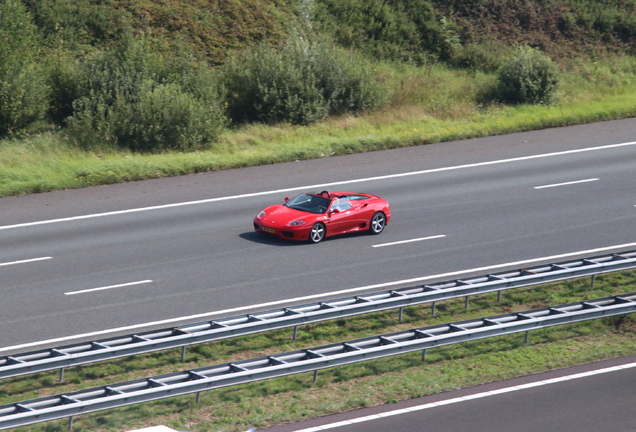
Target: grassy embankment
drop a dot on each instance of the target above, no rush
(429, 104)
(344, 388)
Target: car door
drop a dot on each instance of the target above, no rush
(362, 210)
(340, 217)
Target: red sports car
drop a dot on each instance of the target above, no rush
(314, 216)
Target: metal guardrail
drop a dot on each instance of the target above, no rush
(312, 359)
(73, 355)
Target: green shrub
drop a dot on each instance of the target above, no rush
(23, 90)
(169, 118)
(63, 74)
(269, 86)
(528, 76)
(406, 30)
(77, 24)
(485, 57)
(132, 99)
(609, 23)
(302, 83)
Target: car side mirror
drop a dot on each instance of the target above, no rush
(286, 199)
(334, 211)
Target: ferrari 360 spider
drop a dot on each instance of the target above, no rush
(314, 216)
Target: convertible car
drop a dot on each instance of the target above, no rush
(313, 216)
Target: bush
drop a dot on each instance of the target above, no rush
(23, 90)
(486, 56)
(267, 86)
(169, 118)
(63, 75)
(302, 83)
(405, 30)
(529, 76)
(78, 24)
(131, 99)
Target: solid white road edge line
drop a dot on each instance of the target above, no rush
(409, 241)
(311, 297)
(464, 398)
(108, 287)
(25, 261)
(566, 184)
(317, 186)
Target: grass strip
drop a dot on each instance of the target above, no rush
(45, 163)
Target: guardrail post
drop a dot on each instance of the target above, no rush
(295, 333)
(61, 374)
(498, 296)
(198, 397)
(433, 309)
(401, 315)
(593, 279)
(316, 375)
(70, 423)
(527, 338)
(183, 353)
(466, 302)
(423, 355)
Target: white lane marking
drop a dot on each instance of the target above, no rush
(464, 398)
(311, 297)
(107, 287)
(25, 261)
(316, 186)
(566, 184)
(409, 241)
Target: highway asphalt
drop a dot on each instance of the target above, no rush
(124, 258)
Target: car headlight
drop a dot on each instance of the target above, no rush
(296, 222)
(261, 215)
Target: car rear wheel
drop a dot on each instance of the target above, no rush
(377, 224)
(317, 232)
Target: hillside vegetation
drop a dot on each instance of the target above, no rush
(88, 86)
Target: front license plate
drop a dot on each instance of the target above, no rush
(269, 230)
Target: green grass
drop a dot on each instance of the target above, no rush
(343, 388)
(430, 104)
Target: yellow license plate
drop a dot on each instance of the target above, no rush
(269, 230)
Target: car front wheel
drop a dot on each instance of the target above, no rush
(317, 233)
(377, 224)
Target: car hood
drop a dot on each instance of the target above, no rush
(281, 215)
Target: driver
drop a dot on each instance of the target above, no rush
(341, 204)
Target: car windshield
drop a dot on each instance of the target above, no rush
(309, 203)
